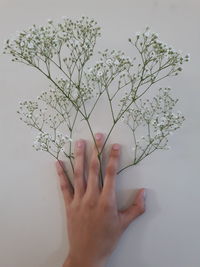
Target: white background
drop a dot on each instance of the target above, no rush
(32, 218)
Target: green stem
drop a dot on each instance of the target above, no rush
(125, 167)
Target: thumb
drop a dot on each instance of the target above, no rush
(136, 209)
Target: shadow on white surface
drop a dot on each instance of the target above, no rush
(130, 249)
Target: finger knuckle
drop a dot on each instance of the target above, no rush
(78, 154)
(115, 154)
(64, 187)
(90, 203)
(106, 205)
(94, 165)
(76, 205)
(77, 173)
(60, 172)
(68, 210)
(111, 170)
(140, 209)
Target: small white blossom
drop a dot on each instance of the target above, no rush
(158, 132)
(74, 94)
(109, 61)
(50, 21)
(76, 42)
(116, 62)
(30, 45)
(99, 73)
(147, 34)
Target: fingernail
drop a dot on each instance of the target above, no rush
(116, 147)
(80, 143)
(98, 136)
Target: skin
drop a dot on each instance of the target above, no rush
(94, 222)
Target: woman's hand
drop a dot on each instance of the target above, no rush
(94, 222)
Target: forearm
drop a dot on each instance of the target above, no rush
(84, 262)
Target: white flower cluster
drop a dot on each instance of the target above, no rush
(36, 117)
(29, 111)
(67, 92)
(56, 100)
(45, 142)
(110, 64)
(156, 118)
(39, 44)
(155, 52)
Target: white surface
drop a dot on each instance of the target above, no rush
(32, 220)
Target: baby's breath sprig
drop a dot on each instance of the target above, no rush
(62, 52)
(156, 119)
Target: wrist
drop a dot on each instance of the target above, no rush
(73, 261)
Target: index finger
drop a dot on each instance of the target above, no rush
(111, 170)
(65, 184)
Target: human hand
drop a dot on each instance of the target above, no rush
(94, 222)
